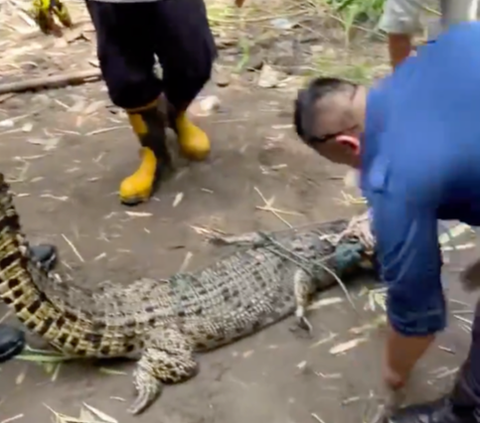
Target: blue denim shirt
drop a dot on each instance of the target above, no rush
(421, 163)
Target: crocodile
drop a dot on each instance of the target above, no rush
(164, 322)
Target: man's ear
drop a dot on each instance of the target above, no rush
(349, 141)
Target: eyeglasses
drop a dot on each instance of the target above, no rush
(324, 138)
(328, 137)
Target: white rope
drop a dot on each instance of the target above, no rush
(360, 228)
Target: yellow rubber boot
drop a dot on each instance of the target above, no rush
(194, 143)
(138, 187)
(149, 126)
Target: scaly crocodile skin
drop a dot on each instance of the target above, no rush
(165, 321)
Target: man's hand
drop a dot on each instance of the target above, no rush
(401, 355)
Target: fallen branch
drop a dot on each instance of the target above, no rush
(54, 81)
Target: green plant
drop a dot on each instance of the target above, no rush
(357, 12)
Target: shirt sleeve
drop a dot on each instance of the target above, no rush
(409, 256)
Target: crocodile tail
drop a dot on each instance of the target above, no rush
(17, 285)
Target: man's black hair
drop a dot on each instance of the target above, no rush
(304, 114)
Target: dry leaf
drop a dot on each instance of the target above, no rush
(323, 340)
(186, 262)
(21, 377)
(27, 19)
(48, 144)
(93, 107)
(105, 417)
(461, 247)
(86, 415)
(7, 123)
(345, 346)
(100, 256)
(112, 372)
(78, 106)
(11, 419)
(63, 418)
(302, 365)
(201, 231)
(350, 179)
(138, 214)
(205, 106)
(210, 103)
(27, 127)
(178, 198)
(453, 233)
(269, 77)
(324, 302)
(56, 372)
(377, 322)
(54, 197)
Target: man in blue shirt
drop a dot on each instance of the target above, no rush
(415, 137)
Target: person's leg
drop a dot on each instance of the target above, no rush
(12, 342)
(125, 44)
(45, 254)
(400, 20)
(463, 404)
(186, 50)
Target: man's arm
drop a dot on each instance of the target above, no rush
(410, 262)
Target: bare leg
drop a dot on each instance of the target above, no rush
(400, 20)
(399, 47)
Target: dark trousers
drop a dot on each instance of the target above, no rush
(129, 35)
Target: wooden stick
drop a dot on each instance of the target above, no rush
(54, 81)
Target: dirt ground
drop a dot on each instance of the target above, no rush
(66, 158)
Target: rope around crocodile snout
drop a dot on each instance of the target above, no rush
(360, 228)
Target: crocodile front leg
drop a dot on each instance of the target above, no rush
(304, 287)
(166, 358)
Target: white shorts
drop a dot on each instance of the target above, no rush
(403, 16)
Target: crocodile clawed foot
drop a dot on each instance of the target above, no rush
(304, 287)
(304, 324)
(302, 328)
(147, 387)
(166, 358)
